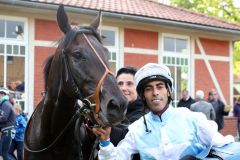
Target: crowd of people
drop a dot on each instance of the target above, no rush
(12, 125)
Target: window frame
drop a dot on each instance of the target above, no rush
(113, 48)
(180, 55)
(20, 42)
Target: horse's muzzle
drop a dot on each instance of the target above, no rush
(116, 111)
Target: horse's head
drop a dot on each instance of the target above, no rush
(82, 71)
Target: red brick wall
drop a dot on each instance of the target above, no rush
(230, 126)
(222, 72)
(140, 39)
(203, 79)
(221, 69)
(138, 60)
(41, 53)
(214, 47)
(46, 30)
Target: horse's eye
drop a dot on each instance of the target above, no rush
(79, 56)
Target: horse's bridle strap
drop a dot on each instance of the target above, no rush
(90, 44)
(97, 91)
(95, 95)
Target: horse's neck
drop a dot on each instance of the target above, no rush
(57, 113)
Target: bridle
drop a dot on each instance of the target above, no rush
(84, 110)
(95, 96)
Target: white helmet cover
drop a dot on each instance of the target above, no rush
(153, 71)
(4, 90)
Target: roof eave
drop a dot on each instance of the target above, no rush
(124, 16)
(173, 23)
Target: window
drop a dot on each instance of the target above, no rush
(108, 37)
(11, 29)
(176, 56)
(110, 41)
(12, 57)
(175, 45)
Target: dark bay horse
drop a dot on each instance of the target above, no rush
(77, 71)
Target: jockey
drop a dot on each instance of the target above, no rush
(166, 132)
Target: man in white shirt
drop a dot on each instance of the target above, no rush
(166, 133)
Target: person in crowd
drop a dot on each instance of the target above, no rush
(210, 96)
(219, 108)
(186, 100)
(125, 81)
(165, 132)
(11, 86)
(20, 125)
(7, 121)
(19, 86)
(236, 111)
(203, 106)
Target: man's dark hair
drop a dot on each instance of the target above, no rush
(127, 70)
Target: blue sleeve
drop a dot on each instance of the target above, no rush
(6, 110)
(22, 123)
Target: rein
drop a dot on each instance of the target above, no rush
(78, 113)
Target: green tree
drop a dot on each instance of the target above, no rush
(223, 9)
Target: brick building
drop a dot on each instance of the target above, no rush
(197, 48)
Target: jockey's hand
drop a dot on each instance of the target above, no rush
(103, 133)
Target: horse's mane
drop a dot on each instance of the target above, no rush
(67, 40)
(64, 43)
(46, 70)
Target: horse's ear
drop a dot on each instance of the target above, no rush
(97, 21)
(62, 19)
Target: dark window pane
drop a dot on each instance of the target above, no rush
(173, 60)
(1, 48)
(9, 59)
(164, 60)
(168, 60)
(9, 49)
(2, 28)
(114, 56)
(109, 37)
(178, 61)
(15, 49)
(22, 50)
(168, 44)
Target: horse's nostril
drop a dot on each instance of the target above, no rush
(116, 111)
(113, 104)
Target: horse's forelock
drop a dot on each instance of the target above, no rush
(70, 36)
(68, 39)
(91, 30)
